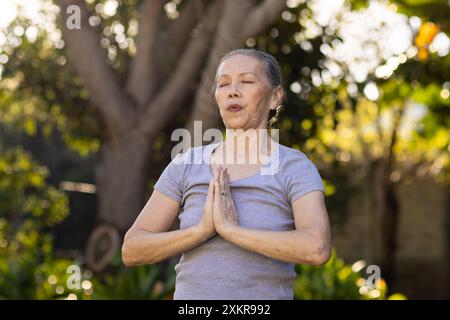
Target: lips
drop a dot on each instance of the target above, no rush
(234, 107)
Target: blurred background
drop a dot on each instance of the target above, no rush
(91, 91)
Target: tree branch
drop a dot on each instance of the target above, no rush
(140, 82)
(89, 62)
(175, 38)
(178, 33)
(167, 102)
(262, 17)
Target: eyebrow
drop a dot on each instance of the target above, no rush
(242, 73)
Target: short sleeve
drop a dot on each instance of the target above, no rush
(171, 180)
(301, 177)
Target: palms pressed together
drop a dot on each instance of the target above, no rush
(219, 211)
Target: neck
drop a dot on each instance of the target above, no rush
(247, 146)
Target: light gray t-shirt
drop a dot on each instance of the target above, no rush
(217, 269)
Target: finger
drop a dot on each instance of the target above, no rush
(222, 180)
(225, 184)
(213, 189)
(216, 187)
(229, 192)
(226, 188)
(216, 173)
(211, 184)
(228, 183)
(210, 190)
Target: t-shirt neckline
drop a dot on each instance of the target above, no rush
(212, 148)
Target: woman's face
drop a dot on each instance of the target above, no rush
(241, 82)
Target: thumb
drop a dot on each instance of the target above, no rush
(210, 195)
(216, 187)
(213, 192)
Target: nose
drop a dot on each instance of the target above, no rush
(234, 91)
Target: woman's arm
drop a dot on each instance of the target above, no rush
(148, 240)
(146, 247)
(310, 243)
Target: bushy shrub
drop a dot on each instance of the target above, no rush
(337, 280)
(138, 283)
(28, 208)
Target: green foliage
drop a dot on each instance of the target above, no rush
(28, 207)
(334, 280)
(24, 193)
(37, 89)
(19, 257)
(138, 283)
(30, 270)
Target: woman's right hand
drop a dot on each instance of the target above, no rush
(206, 224)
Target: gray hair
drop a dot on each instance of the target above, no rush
(272, 70)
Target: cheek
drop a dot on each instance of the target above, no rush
(257, 96)
(218, 96)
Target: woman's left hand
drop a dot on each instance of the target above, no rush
(225, 215)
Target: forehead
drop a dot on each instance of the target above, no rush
(239, 63)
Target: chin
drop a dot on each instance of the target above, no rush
(236, 123)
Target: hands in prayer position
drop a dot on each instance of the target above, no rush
(219, 211)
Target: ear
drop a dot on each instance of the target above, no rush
(277, 97)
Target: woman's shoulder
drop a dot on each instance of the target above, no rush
(289, 154)
(298, 174)
(294, 160)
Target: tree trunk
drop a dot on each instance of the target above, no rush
(390, 206)
(121, 175)
(390, 217)
(370, 248)
(374, 197)
(383, 221)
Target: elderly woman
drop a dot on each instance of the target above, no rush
(241, 231)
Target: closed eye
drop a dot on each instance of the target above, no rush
(226, 84)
